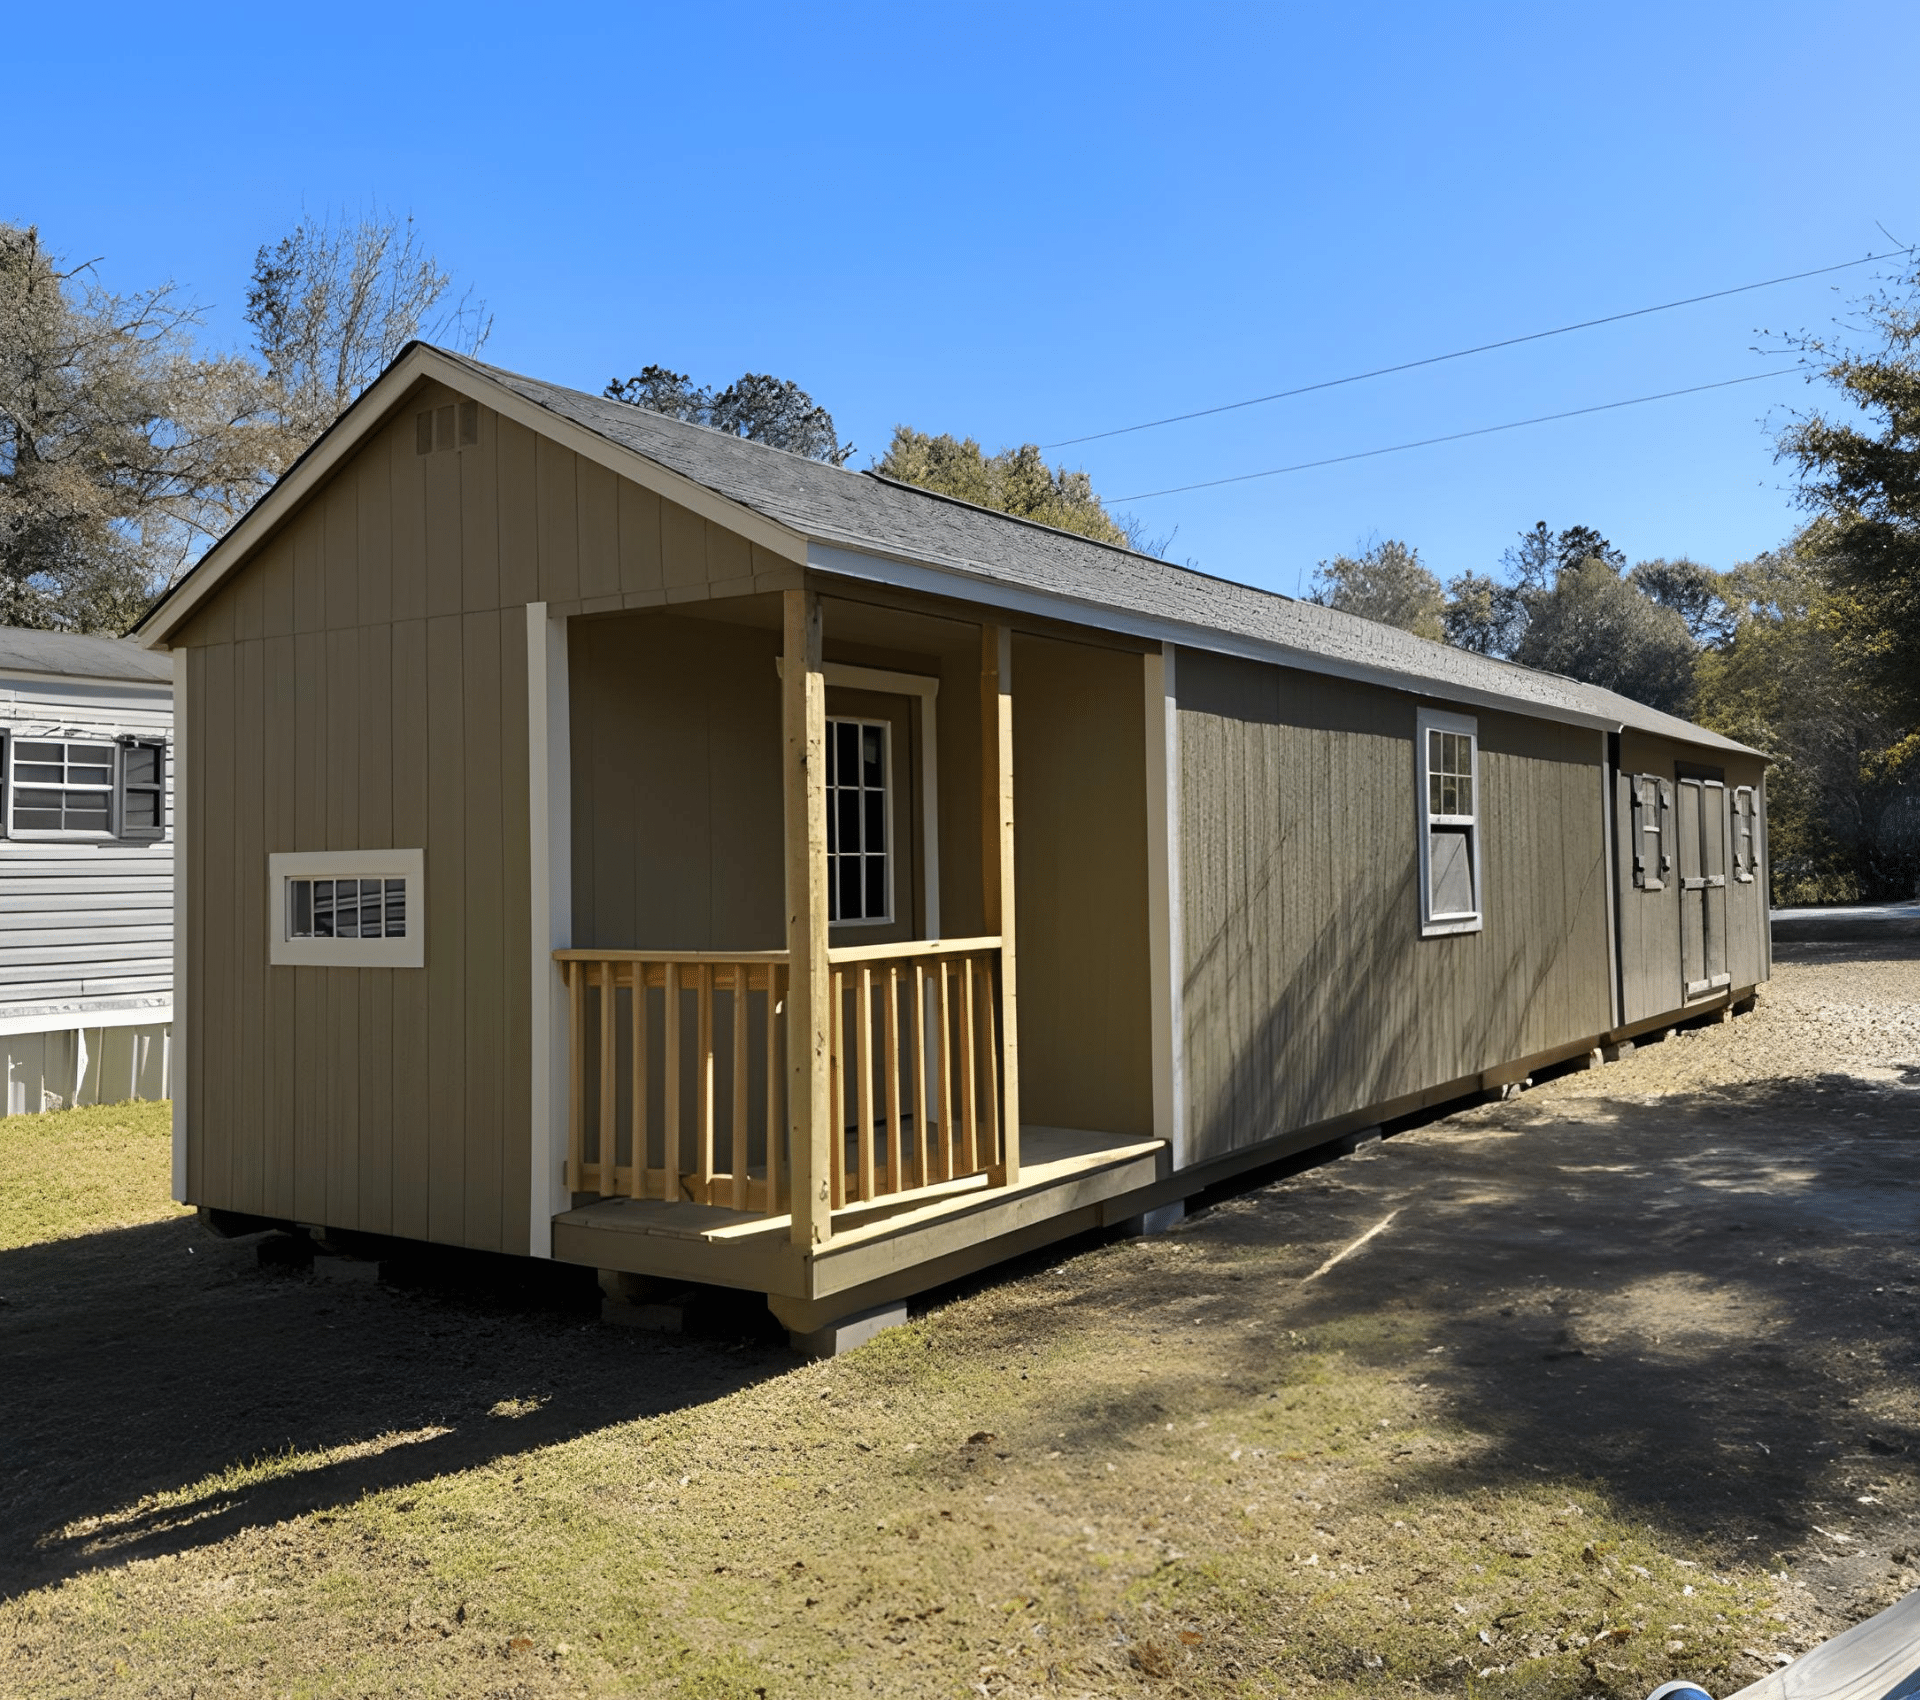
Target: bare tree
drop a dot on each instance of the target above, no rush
(333, 302)
(122, 452)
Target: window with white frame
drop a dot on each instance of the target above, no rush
(859, 821)
(347, 909)
(59, 787)
(1448, 757)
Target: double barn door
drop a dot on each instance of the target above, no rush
(1702, 825)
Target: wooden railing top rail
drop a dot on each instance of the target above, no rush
(695, 956)
(908, 950)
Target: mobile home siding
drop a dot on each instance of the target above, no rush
(86, 928)
(361, 684)
(1309, 992)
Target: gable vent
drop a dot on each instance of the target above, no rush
(452, 426)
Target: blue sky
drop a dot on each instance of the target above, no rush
(1028, 223)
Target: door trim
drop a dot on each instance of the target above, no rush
(926, 755)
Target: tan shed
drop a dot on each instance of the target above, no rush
(602, 838)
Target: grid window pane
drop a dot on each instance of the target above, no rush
(300, 924)
(857, 820)
(396, 909)
(62, 787)
(346, 909)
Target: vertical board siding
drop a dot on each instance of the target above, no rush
(676, 786)
(363, 686)
(1080, 850)
(1652, 981)
(1309, 993)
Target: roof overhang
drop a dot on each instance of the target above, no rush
(973, 584)
(416, 365)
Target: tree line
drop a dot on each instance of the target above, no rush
(1810, 651)
(126, 449)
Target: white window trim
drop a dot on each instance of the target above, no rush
(60, 835)
(408, 952)
(842, 676)
(889, 861)
(1437, 720)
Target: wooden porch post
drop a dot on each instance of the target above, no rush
(803, 695)
(996, 866)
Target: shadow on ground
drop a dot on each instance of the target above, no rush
(146, 1359)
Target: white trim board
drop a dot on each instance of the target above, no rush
(179, 1074)
(550, 911)
(85, 1020)
(1166, 941)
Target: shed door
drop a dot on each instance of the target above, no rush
(1703, 886)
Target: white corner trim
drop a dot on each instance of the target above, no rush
(550, 908)
(179, 1077)
(1166, 947)
(407, 952)
(1446, 926)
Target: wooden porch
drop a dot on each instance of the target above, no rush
(772, 1118)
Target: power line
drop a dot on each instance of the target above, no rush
(1457, 436)
(1482, 348)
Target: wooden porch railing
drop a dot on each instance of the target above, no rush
(677, 1072)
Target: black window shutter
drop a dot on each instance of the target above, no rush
(141, 802)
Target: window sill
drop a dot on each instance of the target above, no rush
(1447, 925)
(45, 835)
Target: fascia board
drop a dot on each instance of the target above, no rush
(372, 410)
(975, 587)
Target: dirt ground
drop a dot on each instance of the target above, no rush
(1613, 1382)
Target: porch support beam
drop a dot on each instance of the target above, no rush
(996, 866)
(803, 701)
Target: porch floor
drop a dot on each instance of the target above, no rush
(1064, 1173)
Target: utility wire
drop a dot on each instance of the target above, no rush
(1482, 348)
(1457, 436)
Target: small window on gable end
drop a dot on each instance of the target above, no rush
(469, 423)
(423, 432)
(1447, 754)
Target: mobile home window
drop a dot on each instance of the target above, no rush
(59, 788)
(859, 821)
(346, 909)
(1448, 756)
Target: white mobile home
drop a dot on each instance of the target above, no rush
(86, 870)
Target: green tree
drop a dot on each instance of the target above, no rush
(1843, 821)
(122, 452)
(1385, 581)
(757, 406)
(1490, 614)
(1860, 478)
(1014, 481)
(1483, 614)
(1692, 591)
(1596, 626)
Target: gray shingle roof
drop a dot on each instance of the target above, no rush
(26, 651)
(864, 512)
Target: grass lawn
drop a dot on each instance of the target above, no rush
(1490, 1453)
(79, 1171)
